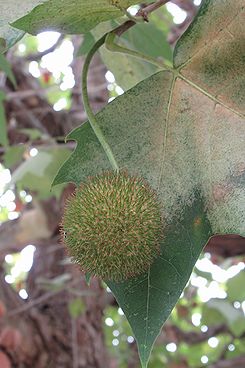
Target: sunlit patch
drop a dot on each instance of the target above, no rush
(27, 257)
(213, 342)
(7, 197)
(9, 258)
(120, 311)
(119, 90)
(218, 273)
(19, 263)
(68, 80)
(204, 328)
(47, 40)
(231, 347)
(214, 290)
(23, 294)
(130, 339)
(204, 359)
(60, 58)
(109, 322)
(33, 152)
(9, 279)
(5, 178)
(13, 215)
(34, 69)
(28, 198)
(178, 14)
(109, 77)
(115, 342)
(237, 305)
(21, 47)
(133, 10)
(60, 104)
(196, 319)
(171, 347)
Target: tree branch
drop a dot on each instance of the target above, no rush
(144, 12)
(39, 55)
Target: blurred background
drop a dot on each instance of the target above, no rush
(49, 317)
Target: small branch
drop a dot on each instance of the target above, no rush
(39, 55)
(193, 338)
(144, 12)
(41, 299)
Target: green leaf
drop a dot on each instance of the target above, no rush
(3, 123)
(71, 16)
(10, 11)
(183, 131)
(32, 133)
(128, 71)
(76, 307)
(234, 317)
(42, 166)
(236, 287)
(150, 40)
(88, 41)
(6, 68)
(13, 155)
(148, 300)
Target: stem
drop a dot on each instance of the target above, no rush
(150, 8)
(91, 117)
(109, 40)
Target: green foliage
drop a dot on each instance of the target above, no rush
(88, 41)
(112, 226)
(182, 112)
(148, 300)
(71, 16)
(13, 155)
(235, 287)
(6, 68)
(42, 166)
(217, 311)
(10, 12)
(150, 39)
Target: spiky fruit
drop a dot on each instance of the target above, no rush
(112, 226)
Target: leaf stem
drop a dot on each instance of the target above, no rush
(91, 117)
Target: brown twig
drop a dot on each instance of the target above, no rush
(39, 55)
(43, 298)
(143, 12)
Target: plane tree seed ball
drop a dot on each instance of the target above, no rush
(112, 226)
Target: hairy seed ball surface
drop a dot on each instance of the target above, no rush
(112, 226)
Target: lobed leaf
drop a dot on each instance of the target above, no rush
(183, 131)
